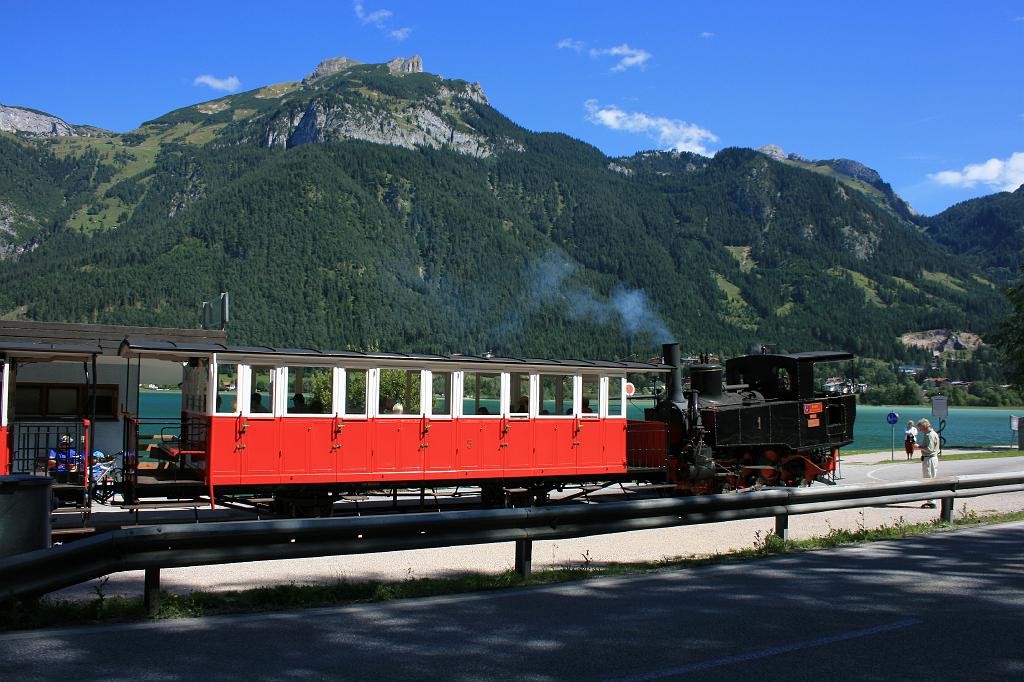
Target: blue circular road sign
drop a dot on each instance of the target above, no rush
(892, 418)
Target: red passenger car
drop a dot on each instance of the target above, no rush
(268, 419)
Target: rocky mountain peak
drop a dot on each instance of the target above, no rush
(329, 67)
(413, 64)
(397, 66)
(34, 123)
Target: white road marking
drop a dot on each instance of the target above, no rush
(773, 651)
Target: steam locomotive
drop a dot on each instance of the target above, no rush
(759, 421)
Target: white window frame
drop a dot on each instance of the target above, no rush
(211, 399)
(341, 393)
(531, 393)
(405, 415)
(5, 380)
(576, 388)
(246, 397)
(312, 415)
(578, 401)
(503, 384)
(429, 404)
(606, 397)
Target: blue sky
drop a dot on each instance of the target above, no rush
(930, 94)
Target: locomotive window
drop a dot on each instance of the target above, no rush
(355, 392)
(556, 395)
(261, 398)
(519, 394)
(399, 392)
(784, 382)
(591, 395)
(481, 394)
(227, 389)
(310, 390)
(441, 394)
(615, 389)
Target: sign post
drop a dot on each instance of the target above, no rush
(891, 419)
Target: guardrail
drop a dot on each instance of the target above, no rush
(154, 547)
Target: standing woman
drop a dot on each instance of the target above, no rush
(929, 454)
(910, 440)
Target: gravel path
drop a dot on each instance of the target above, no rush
(645, 545)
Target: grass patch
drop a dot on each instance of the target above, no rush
(106, 610)
(742, 256)
(945, 280)
(737, 311)
(958, 457)
(864, 283)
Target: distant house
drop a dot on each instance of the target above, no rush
(910, 369)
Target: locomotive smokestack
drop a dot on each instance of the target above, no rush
(674, 390)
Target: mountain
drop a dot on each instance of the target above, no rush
(851, 173)
(40, 124)
(380, 206)
(988, 231)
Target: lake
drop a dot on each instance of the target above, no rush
(965, 426)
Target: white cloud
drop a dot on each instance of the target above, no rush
(1002, 175)
(376, 18)
(707, 34)
(671, 133)
(630, 56)
(380, 19)
(229, 84)
(570, 44)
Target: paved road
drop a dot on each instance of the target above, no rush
(931, 608)
(865, 470)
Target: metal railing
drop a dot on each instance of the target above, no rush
(171, 442)
(58, 449)
(169, 546)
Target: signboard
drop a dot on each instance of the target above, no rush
(630, 389)
(892, 418)
(1014, 422)
(940, 407)
(214, 314)
(813, 408)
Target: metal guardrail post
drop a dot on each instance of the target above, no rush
(782, 526)
(151, 593)
(947, 509)
(524, 557)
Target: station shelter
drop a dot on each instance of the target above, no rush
(66, 396)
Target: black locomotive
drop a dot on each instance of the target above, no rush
(756, 422)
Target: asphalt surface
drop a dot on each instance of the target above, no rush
(946, 606)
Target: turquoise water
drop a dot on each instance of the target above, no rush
(965, 426)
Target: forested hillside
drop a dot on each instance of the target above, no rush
(989, 231)
(461, 232)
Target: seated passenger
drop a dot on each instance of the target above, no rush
(257, 403)
(586, 406)
(523, 406)
(299, 403)
(398, 408)
(482, 410)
